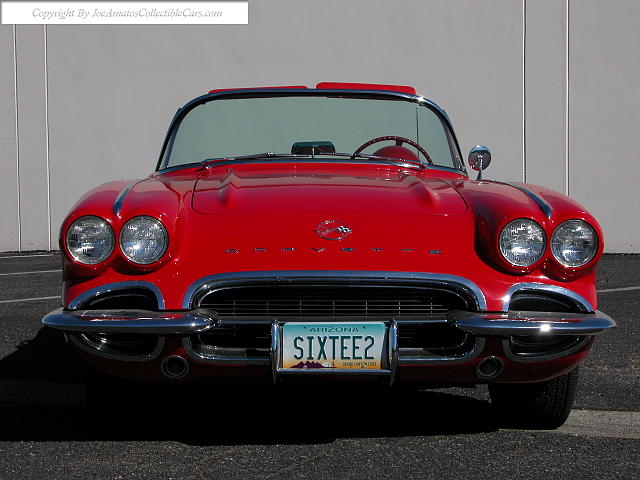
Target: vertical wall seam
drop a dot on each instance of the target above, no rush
(15, 98)
(566, 102)
(524, 90)
(46, 135)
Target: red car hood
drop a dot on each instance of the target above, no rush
(333, 191)
(270, 217)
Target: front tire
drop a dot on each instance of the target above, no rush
(543, 405)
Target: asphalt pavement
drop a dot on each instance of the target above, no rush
(47, 431)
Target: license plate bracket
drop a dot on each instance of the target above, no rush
(334, 348)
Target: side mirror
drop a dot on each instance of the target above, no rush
(479, 159)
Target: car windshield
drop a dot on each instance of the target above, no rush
(234, 127)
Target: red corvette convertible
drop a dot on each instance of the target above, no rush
(332, 233)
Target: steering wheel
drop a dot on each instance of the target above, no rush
(399, 141)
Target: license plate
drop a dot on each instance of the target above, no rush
(340, 346)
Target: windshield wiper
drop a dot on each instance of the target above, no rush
(392, 161)
(210, 161)
(389, 160)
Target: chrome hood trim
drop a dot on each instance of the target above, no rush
(544, 206)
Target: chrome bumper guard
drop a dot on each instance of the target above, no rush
(129, 321)
(505, 324)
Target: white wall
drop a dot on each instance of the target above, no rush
(604, 116)
(94, 101)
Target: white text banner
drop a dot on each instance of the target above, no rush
(125, 13)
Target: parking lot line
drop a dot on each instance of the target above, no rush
(602, 423)
(621, 289)
(18, 300)
(28, 256)
(27, 273)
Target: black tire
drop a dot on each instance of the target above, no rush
(543, 405)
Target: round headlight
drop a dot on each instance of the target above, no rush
(143, 240)
(90, 240)
(522, 242)
(574, 243)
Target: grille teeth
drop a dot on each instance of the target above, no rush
(301, 307)
(310, 302)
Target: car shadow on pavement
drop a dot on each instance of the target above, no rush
(47, 392)
(42, 358)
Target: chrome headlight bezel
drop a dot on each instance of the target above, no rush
(556, 242)
(538, 245)
(161, 240)
(108, 237)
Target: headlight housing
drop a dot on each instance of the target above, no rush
(143, 240)
(574, 243)
(522, 242)
(90, 240)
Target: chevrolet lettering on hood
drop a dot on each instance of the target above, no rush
(332, 250)
(328, 233)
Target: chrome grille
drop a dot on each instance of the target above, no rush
(331, 303)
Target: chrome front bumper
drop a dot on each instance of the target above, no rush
(129, 321)
(502, 324)
(82, 324)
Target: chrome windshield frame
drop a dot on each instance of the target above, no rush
(301, 92)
